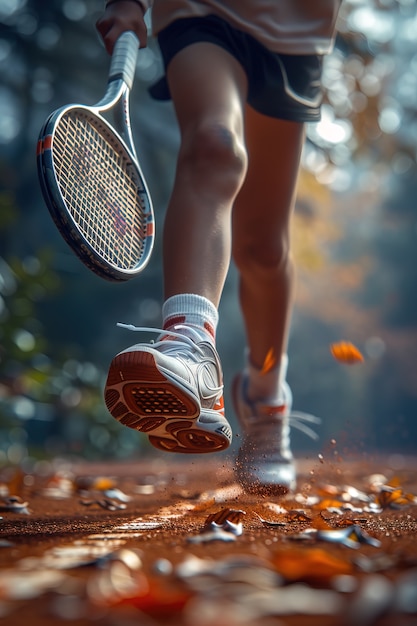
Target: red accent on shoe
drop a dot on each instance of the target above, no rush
(219, 406)
(273, 410)
(173, 321)
(209, 328)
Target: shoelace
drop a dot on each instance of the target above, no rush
(297, 420)
(269, 441)
(169, 345)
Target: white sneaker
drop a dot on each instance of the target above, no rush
(172, 390)
(265, 464)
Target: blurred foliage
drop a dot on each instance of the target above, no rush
(354, 240)
(48, 406)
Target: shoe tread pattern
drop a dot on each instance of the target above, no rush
(139, 396)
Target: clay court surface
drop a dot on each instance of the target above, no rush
(166, 542)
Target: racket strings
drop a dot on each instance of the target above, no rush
(100, 190)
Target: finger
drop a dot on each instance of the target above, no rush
(103, 28)
(109, 34)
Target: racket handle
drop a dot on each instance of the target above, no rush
(123, 61)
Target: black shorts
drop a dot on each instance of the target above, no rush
(284, 86)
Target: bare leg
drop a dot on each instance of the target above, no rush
(261, 221)
(173, 389)
(208, 88)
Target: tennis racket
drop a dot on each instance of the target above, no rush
(91, 179)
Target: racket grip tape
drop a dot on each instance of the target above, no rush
(123, 61)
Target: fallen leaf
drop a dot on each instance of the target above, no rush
(297, 564)
(221, 518)
(215, 533)
(14, 504)
(391, 498)
(346, 352)
(225, 525)
(351, 536)
(269, 362)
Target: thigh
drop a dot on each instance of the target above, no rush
(263, 208)
(207, 85)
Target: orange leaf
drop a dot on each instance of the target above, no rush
(309, 564)
(319, 523)
(394, 482)
(346, 352)
(158, 600)
(328, 503)
(102, 483)
(269, 362)
(297, 516)
(394, 498)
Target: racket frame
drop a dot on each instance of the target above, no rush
(116, 101)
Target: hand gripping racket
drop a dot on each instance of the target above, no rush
(91, 179)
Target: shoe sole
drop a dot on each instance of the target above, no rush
(141, 397)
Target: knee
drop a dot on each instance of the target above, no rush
(261, 259)
(217, 153)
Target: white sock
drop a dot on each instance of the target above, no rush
(192, 310)
(267, 386)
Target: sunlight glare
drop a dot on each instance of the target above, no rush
(333, 131)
